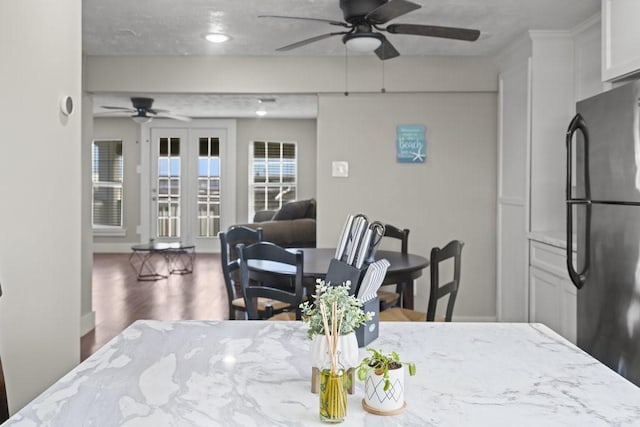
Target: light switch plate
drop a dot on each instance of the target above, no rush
(340, 169)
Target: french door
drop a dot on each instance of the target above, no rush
(187, 185)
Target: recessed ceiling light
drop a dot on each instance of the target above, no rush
(261, 113)
(217, 37)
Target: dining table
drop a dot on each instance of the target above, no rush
(403, 268)
(258, 373)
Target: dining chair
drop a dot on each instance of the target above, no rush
(390, 299)
(277, 265)
(231, 266)
(453, 250)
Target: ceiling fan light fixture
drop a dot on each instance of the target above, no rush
(217, 37)
(141, 119)
(362, 42)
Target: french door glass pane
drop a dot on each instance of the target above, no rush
(169, 192)
(208, 186)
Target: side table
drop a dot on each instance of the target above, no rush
(156, 261)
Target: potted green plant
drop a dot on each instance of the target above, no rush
(383, 378)
(349, 309)
(333, 317)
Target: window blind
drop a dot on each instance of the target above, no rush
(107, 183)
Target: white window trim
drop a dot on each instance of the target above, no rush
(105, 230)
(251, 203)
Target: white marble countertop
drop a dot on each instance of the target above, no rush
(240, 373)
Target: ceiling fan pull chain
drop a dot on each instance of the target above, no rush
(346, 72)
(383, 89)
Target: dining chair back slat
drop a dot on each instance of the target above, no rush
(267, 252)
(388, 298)
(453, 249)
(230, 264)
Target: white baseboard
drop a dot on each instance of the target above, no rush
(87, 323)
(112, 248)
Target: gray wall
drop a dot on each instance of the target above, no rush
(40, 189)
(451, 196)
(301, 131)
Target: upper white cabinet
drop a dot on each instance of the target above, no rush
(620, 38)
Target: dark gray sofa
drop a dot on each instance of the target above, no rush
(293, 226)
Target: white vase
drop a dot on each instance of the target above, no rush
(384, 401)
(347, 350)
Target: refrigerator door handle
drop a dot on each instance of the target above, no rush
(578, 124)
(578, 278)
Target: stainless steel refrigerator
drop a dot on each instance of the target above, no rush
(603, 216)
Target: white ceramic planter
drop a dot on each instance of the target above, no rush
(382, 401)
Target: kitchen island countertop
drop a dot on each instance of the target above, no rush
(253, 373)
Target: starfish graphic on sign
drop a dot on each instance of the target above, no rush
(418, 157)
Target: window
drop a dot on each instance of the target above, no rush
(107, 172)
(208, 186)
(273, 180)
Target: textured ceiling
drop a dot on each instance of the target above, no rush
(172, 27)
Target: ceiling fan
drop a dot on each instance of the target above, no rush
(364, 20)
(142, 111)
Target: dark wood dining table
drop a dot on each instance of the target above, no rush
(403, 268)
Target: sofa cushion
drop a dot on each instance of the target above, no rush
(311, 212)
(294, 210)
(262, 216)
(288, 233)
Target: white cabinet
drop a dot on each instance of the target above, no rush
(552, 299)
(513, 172)
(536, 104)
(542, 75)
(620, 38)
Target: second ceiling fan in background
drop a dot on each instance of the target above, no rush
(142, 111)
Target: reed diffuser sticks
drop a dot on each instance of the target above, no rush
(333, 391)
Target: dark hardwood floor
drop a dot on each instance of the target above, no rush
(119, 298)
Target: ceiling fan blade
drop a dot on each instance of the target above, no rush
(112, 113)
(435, 31)
(386, 50)
(307, 41)
(327, 21)
(173, 116)
(390, 10)
(108, 107)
